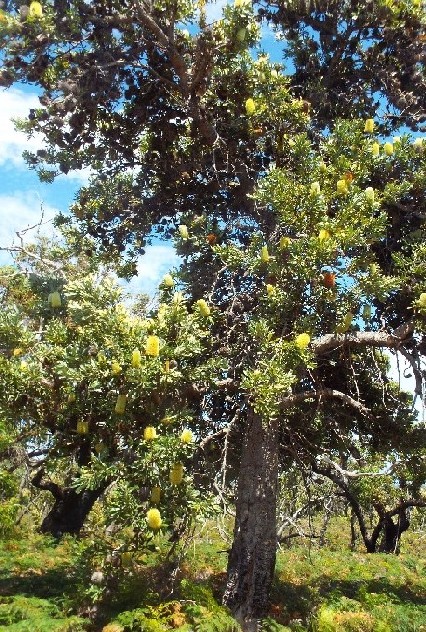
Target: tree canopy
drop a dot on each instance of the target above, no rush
(301, 226)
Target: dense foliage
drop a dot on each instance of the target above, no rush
(300, 223)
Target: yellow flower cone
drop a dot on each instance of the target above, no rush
(264, 254)
(153, 518)
(136, 358)
(82, 427)
(150, 433)
(323, 235)
(152, 346)
(176, 474)
(186, 436)
(369, 126)
(54, 300)
(388, 149)
(285, 242)
(203, 307)
(36, 10)
(342, 187)
(315, 188)
(250, 107)
(120, 405)
(369, 194)
(302, 341)
(375, 149)
(115, 368)
(168, 280)
(155, 495)
(183, 231)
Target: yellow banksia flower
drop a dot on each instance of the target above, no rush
(250, 107)
(155, 495)
(322, 167)
(421, 301)
(115, 368)
(342, 187)
(369, 194)
(345, 324)
(323, 234)
(152, 347)
(82, 427)
(315, 188)
(388, 149)
(136, 358)
(150, 433)
(183, 231)
(270, 289)
(168, 280)
(375, 149)
(36, 10)
(369, 126)
(241, 34)
(366, 312)
(54, 300)
(186, 436)
(264, 254)
(23, 366)
(17, 352)
(153, 518)
(120, 404)
(285, 242)
(126, 559)
(302, 341)
(203, 307)
(176, 474)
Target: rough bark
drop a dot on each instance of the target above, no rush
(70, 509)
(251, 560)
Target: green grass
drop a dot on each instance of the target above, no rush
(46, 587)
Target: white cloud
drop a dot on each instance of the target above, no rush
(154, 264)
(214, 10)
(15, 103)
(20, 211)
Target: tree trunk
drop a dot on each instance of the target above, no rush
(70, 508)
(251, 562)
(392, 533)
(69, 513)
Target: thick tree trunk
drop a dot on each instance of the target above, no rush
(70, 508)
(251, 561)
(392, 532)
(69, 513)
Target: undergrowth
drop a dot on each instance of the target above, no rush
(46, 586)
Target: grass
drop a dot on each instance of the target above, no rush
(46, 587)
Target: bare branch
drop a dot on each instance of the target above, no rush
(325, 393)
(393, 340)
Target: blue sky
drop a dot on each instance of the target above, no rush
(24, 200)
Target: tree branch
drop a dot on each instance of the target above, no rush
(330, 342)
(325, 393)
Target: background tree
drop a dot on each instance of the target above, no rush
(96, 394)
